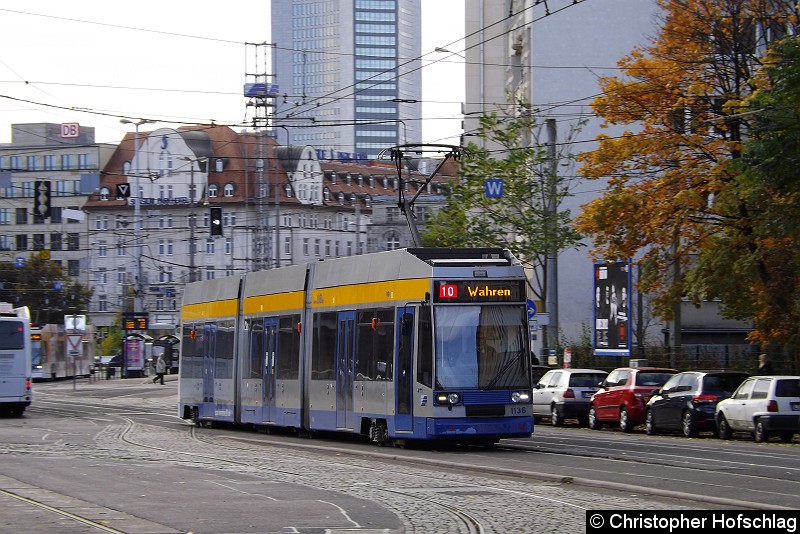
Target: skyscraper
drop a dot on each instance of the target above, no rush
(348, 72)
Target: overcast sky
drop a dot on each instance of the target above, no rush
(171, 60)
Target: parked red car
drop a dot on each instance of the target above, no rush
(623, 396)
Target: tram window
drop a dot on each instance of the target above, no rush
(323, 352)
(256, 349)
(11, 335)
(425, 350)
(223, 354)
(374, 344)
(192, 357)
(288, 348)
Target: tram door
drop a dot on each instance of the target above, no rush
(209, 349)
(345, 360)
(405, 356)
(269, 376)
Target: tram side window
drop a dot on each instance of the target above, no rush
(223, 357)
(323, 351)
(11, 335)
(192, 351)
(288, 348)
(375, 344)
(256, 349)
(425, 350)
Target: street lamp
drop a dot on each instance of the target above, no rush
(137, 219)
(192, 248)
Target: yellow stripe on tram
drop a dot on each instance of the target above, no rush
(371, 293)
(274, 303)
(209, 310)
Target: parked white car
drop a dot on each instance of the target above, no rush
(764, 406)
(564, 394)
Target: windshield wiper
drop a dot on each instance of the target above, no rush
(510, 363)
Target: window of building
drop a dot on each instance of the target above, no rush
(22, 216)
(33, 163)
(228, 190)
(209, 247)
(5, 215)
(104, 193)
(392, 242)
(83, 161)
(22, 241)
(316, 247)
(73, 267)
(73, 241)
(120, 249)
(15, 163)
(213, 190)
(101, 223)
(122, 276)
(228, 245)
(5, 242)
(55, 241)
(287, 246)
(102, 303)
(218, 164)
(165, 247)
(210, 273)
(102, 250)
(66, 162)
(49, 162)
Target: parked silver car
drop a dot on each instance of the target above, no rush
(564, 394)
(764, 406)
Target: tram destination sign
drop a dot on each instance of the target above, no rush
(479, 291)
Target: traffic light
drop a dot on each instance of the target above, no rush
(41, 198)
(215, 215)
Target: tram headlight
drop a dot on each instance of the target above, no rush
(520, 396)
(448, 398)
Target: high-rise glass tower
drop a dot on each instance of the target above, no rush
(348, 72)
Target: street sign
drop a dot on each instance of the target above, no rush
(75, 323)
(494, 187)
(123, 190)
(531, 309)
(19, 262)
(74, 344)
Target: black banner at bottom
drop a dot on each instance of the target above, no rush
(685, 521)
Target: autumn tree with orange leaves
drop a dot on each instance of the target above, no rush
(681, 198)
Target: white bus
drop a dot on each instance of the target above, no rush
(15, 359)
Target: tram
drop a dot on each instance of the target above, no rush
(57, 355)
(15, 359)
(410, 344)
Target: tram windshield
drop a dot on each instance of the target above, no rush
(481, 347)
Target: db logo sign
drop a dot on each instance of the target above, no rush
(70, 130)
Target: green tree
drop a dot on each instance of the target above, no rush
(42, 286)
(528, 219)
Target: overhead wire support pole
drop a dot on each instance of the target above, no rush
(397, 153)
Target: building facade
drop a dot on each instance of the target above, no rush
(66, 159)
(278, 206)
(348, 73)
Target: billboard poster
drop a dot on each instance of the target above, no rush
(612, 304)
(135, 353)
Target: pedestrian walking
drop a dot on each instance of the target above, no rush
(161, 370)
(764, 366)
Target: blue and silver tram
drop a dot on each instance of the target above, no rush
(412, 344)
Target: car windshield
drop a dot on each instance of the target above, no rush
(722, 384)
(788, 387)
(585, 380)
(652, 379)
(481, 347)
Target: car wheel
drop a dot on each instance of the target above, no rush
(688, 426)
(650, 424)
(786, 437)
(760, 435)
(625, 421)
(555, 419)
(594, 424)
(723, 428)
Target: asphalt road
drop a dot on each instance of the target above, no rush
(113, 456)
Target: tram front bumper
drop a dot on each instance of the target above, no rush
(510, 427)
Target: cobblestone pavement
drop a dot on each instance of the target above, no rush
(141, 432)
